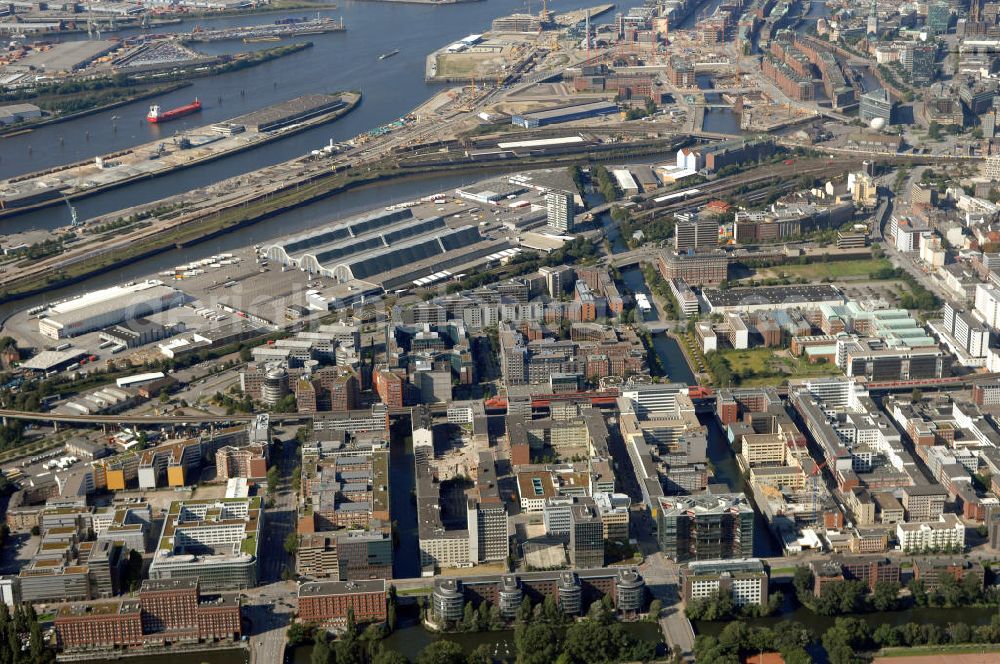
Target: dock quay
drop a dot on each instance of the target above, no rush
(189, 148)
(267, 32)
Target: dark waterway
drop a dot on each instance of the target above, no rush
(214, 656)
(403, 509)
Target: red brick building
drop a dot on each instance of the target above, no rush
(167, 611)
(327, 603)
(175, 609)
(99, 626)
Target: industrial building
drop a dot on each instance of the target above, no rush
(379, 243)
(63, 57)
(563, 114)
(286, 113)
(18, 113)
(106, 307)
(737, 300)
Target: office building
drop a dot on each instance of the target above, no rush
(987, 304)
(213, 540)
(555, 512)
(165, 612)
(345, 555)
(573, 590)
(487, 516)
(175, 609)
(614, 511)
(706, 526)
(328, 603)
(698, 268)
(586, 535)
(745, 581)
(876, 104)
(701, 232)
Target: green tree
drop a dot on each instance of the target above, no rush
(322, 653)
(469, 618)
(536, 643)
(481, 655)
(885, 597)
(441, 652)
(272, 477)
(133, 570)
(299, 633)
(655, 609)
(291, 543)
(523, 611)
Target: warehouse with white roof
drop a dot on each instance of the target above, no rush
(99, 309)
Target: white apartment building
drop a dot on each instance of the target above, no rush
(948, 531)
(988, 304)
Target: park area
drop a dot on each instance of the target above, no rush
(832, 270)
(769, 366)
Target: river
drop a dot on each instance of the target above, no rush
(337, 61)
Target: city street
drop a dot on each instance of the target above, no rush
(271, 605)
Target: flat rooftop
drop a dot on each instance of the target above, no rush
(774, 295)
(65, 56)
(287, 109)
(321, 589)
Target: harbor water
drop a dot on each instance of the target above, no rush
(347, 60)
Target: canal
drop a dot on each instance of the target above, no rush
(402, 504)
(214, 656)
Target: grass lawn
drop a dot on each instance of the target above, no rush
(831, 270)
(762, 366)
